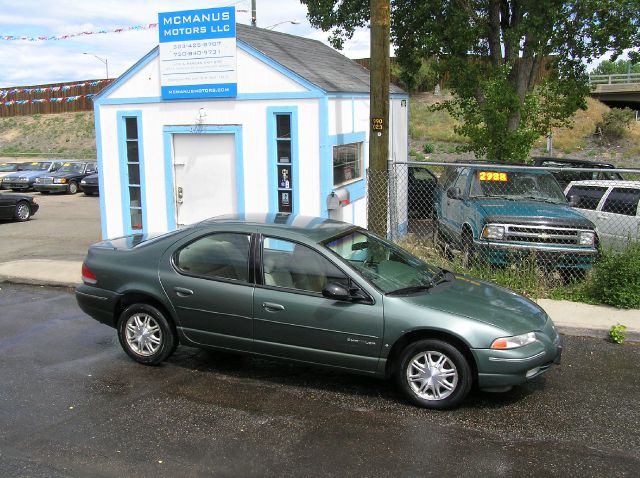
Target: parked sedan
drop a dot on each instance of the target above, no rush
(17, 207)
(66, 179)
(25, 178)
(317, 291)
(90, 185)
(8, 168)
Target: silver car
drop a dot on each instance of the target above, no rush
(613, 206)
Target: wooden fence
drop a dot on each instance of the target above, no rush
(51, 98)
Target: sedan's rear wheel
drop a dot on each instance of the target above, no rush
(145, 334)
(22, 212)
(434, 374)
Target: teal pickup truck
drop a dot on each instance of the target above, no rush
(498, 214)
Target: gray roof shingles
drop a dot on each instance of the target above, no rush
(314, 61)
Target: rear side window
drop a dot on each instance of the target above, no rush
(622, 201)
(223, 256)
(589, 196)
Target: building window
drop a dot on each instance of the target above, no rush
(133, 173)
(283, 163)
(347, 163)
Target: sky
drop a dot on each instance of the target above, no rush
(27, 63)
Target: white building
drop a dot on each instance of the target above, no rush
(301, 111)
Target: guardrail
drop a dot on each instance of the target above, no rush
(617, 79)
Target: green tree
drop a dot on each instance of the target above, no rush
(492, 52)
(620, 67)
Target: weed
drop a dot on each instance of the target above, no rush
(617, 333)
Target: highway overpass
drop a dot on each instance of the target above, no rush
(617, 90)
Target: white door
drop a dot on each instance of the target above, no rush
(205, 176)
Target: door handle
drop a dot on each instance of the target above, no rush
(271, 307)
(180, 194)
(182, 292)
(602, 216)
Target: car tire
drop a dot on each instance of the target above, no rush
(423, 360)
(145, 334)
(72, 188)
(22, 211)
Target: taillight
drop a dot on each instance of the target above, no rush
(88, 277)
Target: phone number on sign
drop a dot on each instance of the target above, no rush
(178, 54)
(204, 44)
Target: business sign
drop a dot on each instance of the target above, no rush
(198, 53)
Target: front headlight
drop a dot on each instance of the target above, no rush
(37, 180)
(514, 342)
(23, 179)
(83, 182)
(586, 238)
(59, 180)
(493, 232)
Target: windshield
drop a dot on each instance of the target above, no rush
(8, 167)
(384, 264)
(36, 167)
(516, 185)
(71, 168)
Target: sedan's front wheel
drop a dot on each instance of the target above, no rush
(22, 212)
(145, 334)
(434, 374)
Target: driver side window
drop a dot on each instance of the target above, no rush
(295, 266)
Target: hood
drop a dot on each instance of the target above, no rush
(25, 174)
(62, 174)
(484, 302)
(532, 212)
(92, 178)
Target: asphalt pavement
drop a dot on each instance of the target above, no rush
(73, 404)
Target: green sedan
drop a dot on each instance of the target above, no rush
(317, 291)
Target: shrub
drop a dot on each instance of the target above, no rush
(428, 148)
(616, 333)
(616, 279)
(615, 123)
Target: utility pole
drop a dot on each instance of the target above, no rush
(378, 179)
(253, 13)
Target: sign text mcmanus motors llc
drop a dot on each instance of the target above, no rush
(202, 22)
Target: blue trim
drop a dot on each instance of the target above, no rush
(357, 190)
(169, 192)
(124, 171)
(272, 157)
(98, 99)
(103, 191)
(326, 166)
(278, 67)
(403, 228)
(363, 94)
(345, 138)
(169, 131)
(303, 95)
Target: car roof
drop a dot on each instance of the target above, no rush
(315, 228)
(605, 183)
(574, 161)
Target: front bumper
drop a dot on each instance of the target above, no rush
(51, 187)
(21, 186)
(89, 188)
(558, 256)
(498, 369)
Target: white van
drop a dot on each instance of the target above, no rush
(613, 206)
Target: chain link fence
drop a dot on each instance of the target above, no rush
(550, 224)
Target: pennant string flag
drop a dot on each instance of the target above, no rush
(47, 89)
(147, 26)
(65, 99)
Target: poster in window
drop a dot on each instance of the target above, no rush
(284, 201)
(284, 177)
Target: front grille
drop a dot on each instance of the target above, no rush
(46, 181)
(541, 234)
(532, 234)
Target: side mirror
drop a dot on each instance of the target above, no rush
(454, 193)
(336, 291)
(574, 201)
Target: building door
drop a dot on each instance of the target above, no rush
(205, 176)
